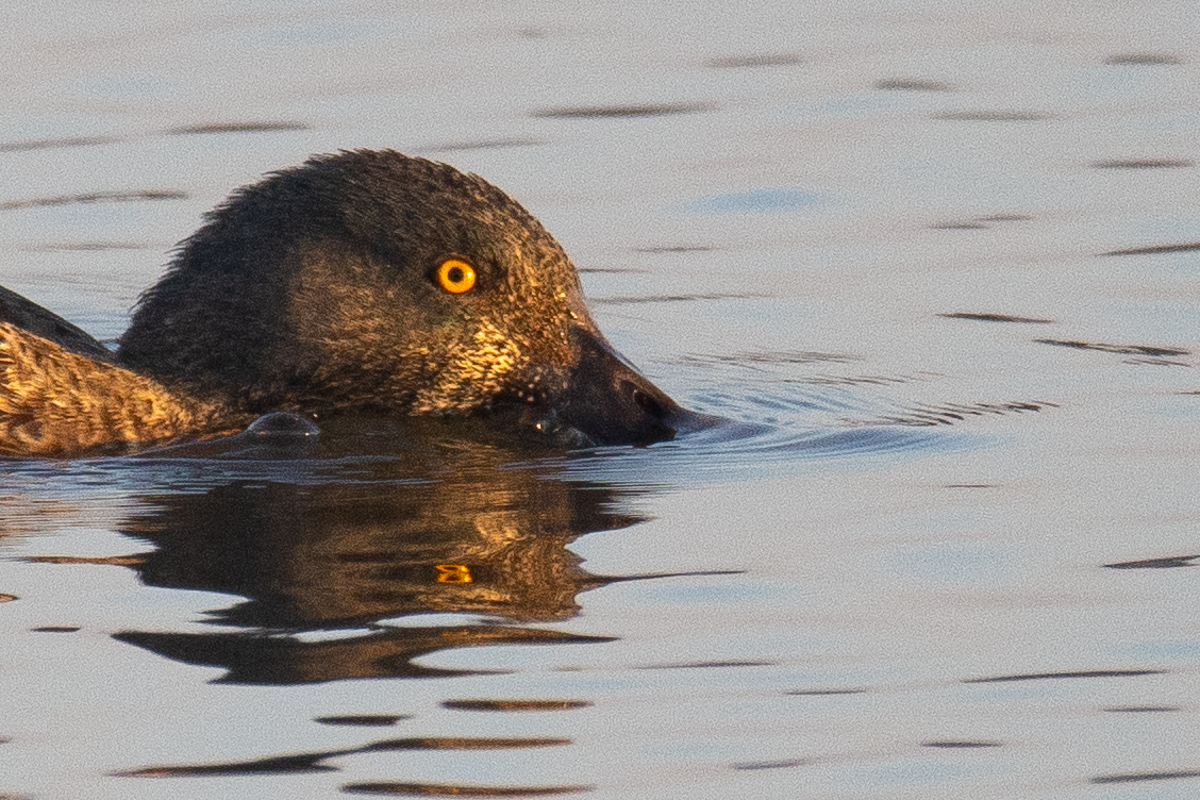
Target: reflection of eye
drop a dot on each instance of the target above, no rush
(455, 276)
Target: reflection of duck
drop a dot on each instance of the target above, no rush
(346, 556)
(480, 539)
(361, 282)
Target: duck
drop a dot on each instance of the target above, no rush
(359, 283)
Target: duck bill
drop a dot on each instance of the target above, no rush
(608, 402)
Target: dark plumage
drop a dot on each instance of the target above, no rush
(317, 291)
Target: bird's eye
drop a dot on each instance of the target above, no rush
(455, 276)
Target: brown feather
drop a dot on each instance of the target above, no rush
(54, 402)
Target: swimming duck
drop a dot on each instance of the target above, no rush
(364, 282)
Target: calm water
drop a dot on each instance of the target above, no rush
(938, 264)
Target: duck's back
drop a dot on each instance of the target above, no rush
(55, 402)
(29, 316)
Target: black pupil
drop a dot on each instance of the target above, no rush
(455, 275)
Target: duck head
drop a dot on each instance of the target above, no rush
(370, 282)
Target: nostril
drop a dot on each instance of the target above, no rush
(648, 404)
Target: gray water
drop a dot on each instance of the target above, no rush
(938, 265)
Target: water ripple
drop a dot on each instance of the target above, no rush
(761, 201)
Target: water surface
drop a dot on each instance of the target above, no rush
(937, 265)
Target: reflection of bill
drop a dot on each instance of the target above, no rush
(483, 540)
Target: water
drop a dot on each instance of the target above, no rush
(936, 264)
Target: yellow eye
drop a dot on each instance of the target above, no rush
(456, 276)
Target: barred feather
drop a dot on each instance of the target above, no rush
(54, 402)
